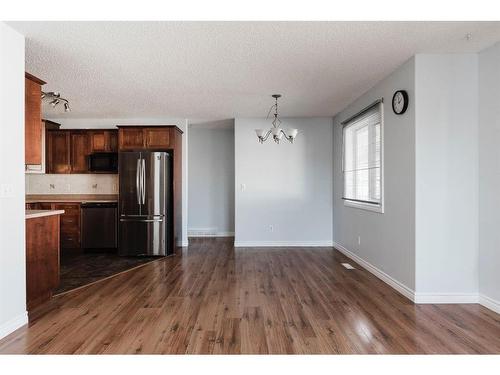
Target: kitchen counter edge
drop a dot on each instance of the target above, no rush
(33, 214)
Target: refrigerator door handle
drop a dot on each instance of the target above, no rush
(142, 220)
(143, 173)
(138, 181)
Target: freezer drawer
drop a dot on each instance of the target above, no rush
(142, 236)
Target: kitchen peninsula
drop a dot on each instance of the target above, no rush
(42, 255)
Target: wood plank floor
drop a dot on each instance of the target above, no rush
(215, 299)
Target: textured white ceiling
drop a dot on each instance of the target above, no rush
(216, 70)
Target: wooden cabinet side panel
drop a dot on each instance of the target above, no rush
(42, 259)
(32, 122)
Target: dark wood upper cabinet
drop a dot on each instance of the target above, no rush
(147, 137)
(113, 140)
(131, 139)
(58, 149)
(97, 141)
(103, 140)
(33, 119)
(67, 151)
(156, 138)
(79, 151)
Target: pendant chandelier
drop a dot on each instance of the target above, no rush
(276, 130)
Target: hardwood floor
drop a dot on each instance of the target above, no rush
(215, 299)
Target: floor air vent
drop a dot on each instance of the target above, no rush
(348, 266)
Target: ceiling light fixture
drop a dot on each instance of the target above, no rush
(55, 99)
(277, 131)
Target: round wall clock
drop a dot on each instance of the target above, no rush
(400, 102)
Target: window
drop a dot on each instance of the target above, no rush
(362, 159)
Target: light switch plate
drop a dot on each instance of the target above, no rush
(6, 191)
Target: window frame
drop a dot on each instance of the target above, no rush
(375, 207)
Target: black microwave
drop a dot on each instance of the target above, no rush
(103, 162)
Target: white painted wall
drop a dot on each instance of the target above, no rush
(108, 123)
(211, 179)
(12, 223)
(489, 175)
(388, 239)
(446, 175)
(288, 185)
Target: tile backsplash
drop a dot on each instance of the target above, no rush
(71, 184)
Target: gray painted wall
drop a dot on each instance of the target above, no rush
(388, 239)
(446, 174)
(288, 186)
(211, 180)
(12, 223)
(489, 172)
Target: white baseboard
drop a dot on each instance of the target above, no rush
(10, 326)
(444, 298)
(208, 233)
(422, 298)
(489, 303)
(283, 243)
(397, 285)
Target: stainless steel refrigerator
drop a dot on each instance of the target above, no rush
(145, 196)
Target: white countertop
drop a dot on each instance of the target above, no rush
(71, 198)
(31, 214)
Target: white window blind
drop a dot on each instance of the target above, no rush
(362, 156)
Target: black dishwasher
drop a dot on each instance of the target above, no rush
(99, 225)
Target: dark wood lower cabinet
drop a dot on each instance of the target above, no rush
(70, 225)
(42, 259)
(70, 233)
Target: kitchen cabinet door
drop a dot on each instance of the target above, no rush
(131, 139)
(157, 138)
(103, 141)
(79, 151)
(32, 121)
(58, 151)
(113, 140)
(98, 141)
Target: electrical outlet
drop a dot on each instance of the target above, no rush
(52, 186)
(359, 240)
(243, 187)
(271, 228)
